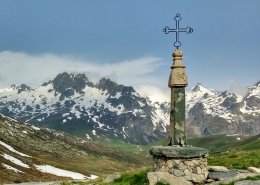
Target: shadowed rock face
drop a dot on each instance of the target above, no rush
(64, 81)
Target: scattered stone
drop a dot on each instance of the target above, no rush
(219, 175)
(254, 169)
(111, 178)
(242, 171)
(236, 177)
(209, 180)
(169, 164)
(154, 177)
(198, 170)
(196, 178)
(186, 172)
(182, 166)
(248, 182)
(217, 169)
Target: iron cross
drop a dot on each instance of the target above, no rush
(177, 30)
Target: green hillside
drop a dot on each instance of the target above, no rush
(231, 151)
(222, 143)
(235, 151)
(104, 157)
(60, 150)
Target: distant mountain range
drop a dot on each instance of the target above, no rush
(211, 112)
(72, 103)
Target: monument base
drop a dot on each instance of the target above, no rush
(188, 162)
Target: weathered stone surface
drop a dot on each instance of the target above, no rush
(178, 152)
(154, 177)
(248, 182)
(194, 169)
(187, 172)
(242, 171)
(217, 169)
(219, 175)
(187, 162)
(230, 179)
(196, 178)
(254, 169)
(209, 181)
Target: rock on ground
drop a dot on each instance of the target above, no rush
(248, 182)
(232, 178)
(254, 169)
(155, 177)
(217, 169)
(112, 177)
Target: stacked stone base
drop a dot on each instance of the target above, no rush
(187, 162)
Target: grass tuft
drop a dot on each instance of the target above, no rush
(162, 183)
(129, 178)
(254, 178)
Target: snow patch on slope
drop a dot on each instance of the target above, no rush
(15, 160)
(12, 149)
(254, 91)
(63, 173)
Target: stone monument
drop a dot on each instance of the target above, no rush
(178, 158)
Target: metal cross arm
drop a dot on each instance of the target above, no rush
(177, 30)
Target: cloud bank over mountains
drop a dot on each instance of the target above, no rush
(33, 70)
(143, 73)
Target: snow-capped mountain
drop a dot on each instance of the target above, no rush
(73, 104)
(211, 112)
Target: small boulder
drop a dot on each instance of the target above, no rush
(154, 177)
(111, 178)
(248, 182)
(217, 169)
(254, 169)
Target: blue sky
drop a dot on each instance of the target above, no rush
(124, 40)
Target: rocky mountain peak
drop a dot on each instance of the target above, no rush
(66, 83)
(113, 88)
(107, 84)
(254, 90)
(21, 88)
(200, 88)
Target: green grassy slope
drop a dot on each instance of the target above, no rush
(105, 156)
(234, 151)
(231, 151)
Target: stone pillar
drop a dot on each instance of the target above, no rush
(177, 82)
(178, 158)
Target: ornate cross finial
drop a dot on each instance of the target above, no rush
(167, 30)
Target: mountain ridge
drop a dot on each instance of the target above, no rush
(71, 103)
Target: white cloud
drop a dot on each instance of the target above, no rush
(33, 70)
(238, 88)
(154, 93)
